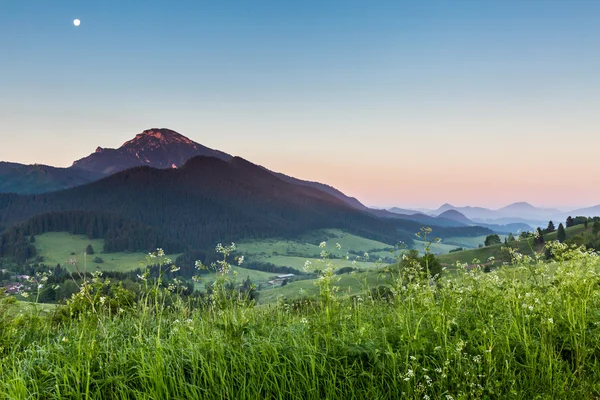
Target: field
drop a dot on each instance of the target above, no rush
(484, 253)
(519, 332)
(56, 248)
(467, 242)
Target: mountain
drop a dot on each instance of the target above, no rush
(468, 211)
(526, 210)
(415, 216)
(404, 211)
(455, 216)
(585, 212)
(37, 178)
(207, 201)
(158, 148)
(516, 213)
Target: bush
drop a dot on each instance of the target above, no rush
(492, 239)
(98, 260)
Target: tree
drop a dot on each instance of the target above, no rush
(492, 240)
(539, 239)
(511, 238)
(550, 227)
(570, 222)
(89, 249)
(585, 224)
(596, 227)
(561, 235)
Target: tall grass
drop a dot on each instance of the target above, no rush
(525, 331)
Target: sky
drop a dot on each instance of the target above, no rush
(398, 103)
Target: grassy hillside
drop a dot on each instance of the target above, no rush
(467, 242)
(295, 253)
(519, 332)
(484, 253)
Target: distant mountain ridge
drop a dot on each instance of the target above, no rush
(516, 214)
(38, 178)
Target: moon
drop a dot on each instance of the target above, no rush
(76, 22)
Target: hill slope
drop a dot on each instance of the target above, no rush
(30, 179)
(207, 201)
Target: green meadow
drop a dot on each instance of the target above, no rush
(529, 330)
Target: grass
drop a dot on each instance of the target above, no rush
(467, 242)
(307, 246)
(484, 253)
(520, 332)
(257, 277)
(56, 248)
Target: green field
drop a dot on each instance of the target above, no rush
(467, 242)
(257, 277)
(56, 248)
(484, 253)
(308, 245)
(525, 331)
(348, 283)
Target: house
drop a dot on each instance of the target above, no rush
(13, 288)
(279, 279)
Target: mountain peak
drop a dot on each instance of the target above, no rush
(155, 147)
(161, 136)
(520, 205)
(445, 207)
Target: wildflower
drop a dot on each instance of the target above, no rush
(338, 246)
(25, 294)
(304, 321)
(65, 339)
(323, 245)
(174, 268)
(240, 260)
(102, 300)
(366, 255)
(550, 320)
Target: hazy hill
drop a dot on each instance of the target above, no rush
(455, 216)
(404, 211)
(29, 179)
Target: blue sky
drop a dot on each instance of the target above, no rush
(395, 102)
